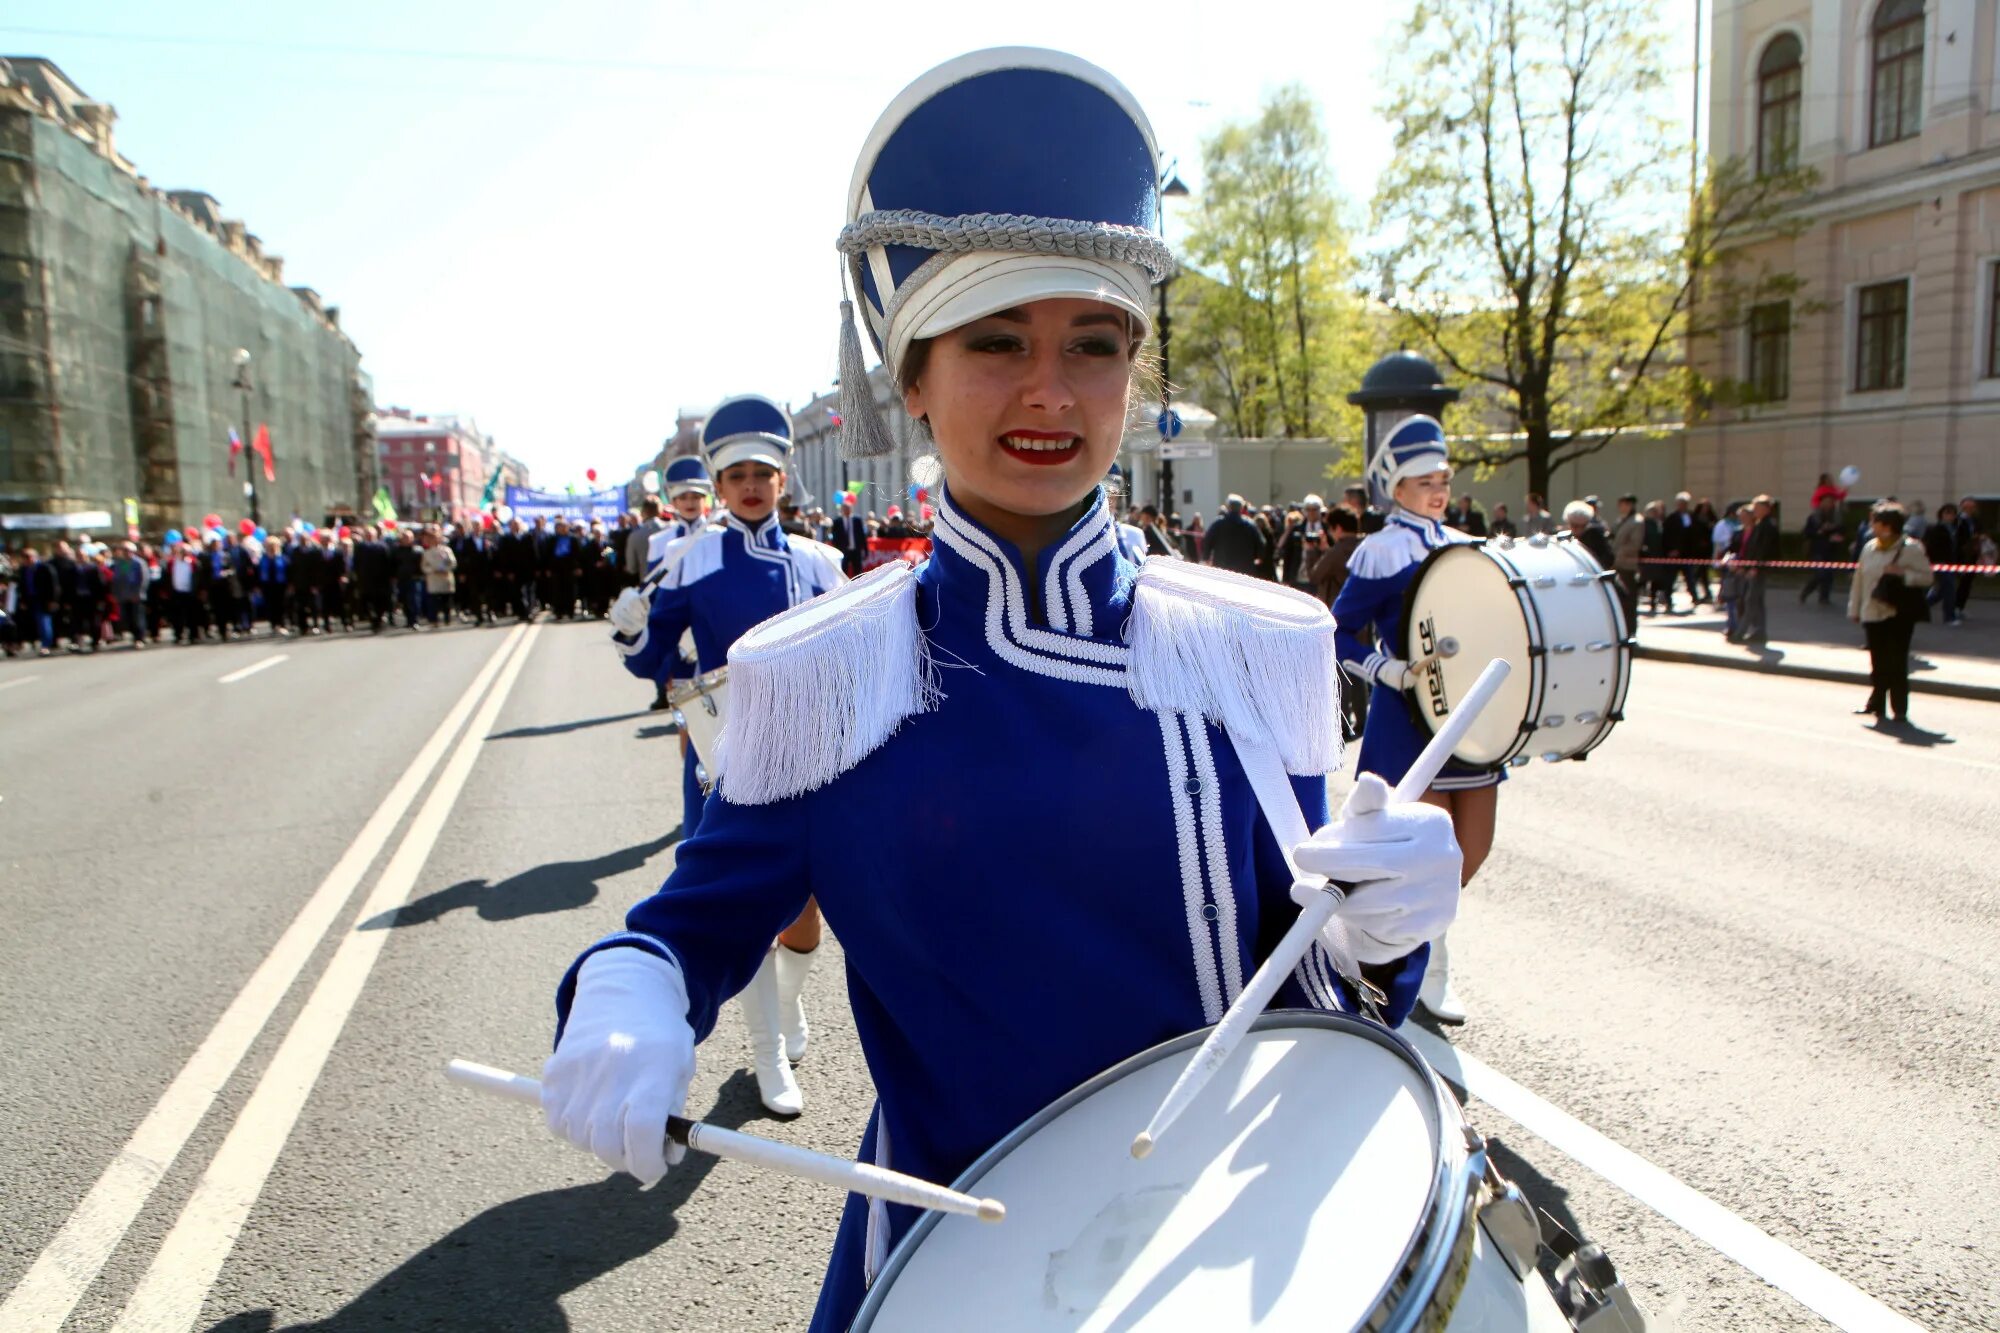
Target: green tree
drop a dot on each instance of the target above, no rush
(1540, 236)
(1266, 334)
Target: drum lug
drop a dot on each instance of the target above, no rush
(1585, 719)
(1510, 1221)
(1554, 720)
(1581, 580)
(1562, 648)
(1586, 1284)
(1552, 757)
(680, 718)
(1539, 539)
(1598, 646)
(1546, 581)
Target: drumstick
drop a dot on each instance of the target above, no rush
(860, 1177)
(1223, 1037)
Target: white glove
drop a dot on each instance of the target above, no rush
(1400, 675)
(624, 1062)
(1403, 861)
(631, 611)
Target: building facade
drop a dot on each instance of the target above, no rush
(138, 326)
(820, 476)
(438, 466)
(1888, 358)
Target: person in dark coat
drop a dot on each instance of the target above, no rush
(475, 574)
(307, 574)
(408, 562)
(1233, 542)
(1760, 545)
(562, 561)
(375, 573)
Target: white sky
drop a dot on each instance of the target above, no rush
(568, 221)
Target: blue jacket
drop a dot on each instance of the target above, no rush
(1078, 877)
(727, 578)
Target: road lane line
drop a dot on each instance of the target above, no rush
(252, 669)
(1927, 752)
(1827, 1294)
(18, 680)
(170, 1295)
(65, 1269)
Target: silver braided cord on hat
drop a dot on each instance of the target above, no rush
(1010, 232)
(863, 432)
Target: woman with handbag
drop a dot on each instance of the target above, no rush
(1887, 599)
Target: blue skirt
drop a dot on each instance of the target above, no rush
(1391, 742)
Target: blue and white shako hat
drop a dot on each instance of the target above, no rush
(745, 428)
(999, 178)
(1416, 446)
(688, 473)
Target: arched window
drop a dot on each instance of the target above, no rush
(1897, 87)
(1779, 83)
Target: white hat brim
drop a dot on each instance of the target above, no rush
(984, 282)
(748, 449)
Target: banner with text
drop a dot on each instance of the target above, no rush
(530, 505)
(887, 550)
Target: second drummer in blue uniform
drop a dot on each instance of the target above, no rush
(1413, 469)
(725, 576)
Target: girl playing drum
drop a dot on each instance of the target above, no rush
(1047, 735)
(1413, 470)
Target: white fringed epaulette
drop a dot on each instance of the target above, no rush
(815, 690)
(1253, 657)
(694, 557)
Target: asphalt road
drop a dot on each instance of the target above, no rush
(1750, 941)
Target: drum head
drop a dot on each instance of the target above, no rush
(1461, 607)
(1286, 1197)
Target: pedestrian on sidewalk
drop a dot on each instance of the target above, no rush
(1941, 548)
(1759, 546)
(1973, 546)
(1628, 547)
(1888, 564)
(1724, 539)
(1823, 544)
(129, 581)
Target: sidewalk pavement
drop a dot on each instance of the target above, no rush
(1821, 643)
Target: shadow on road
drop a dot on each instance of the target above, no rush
(1909, 733)
(558, 728)
(558, 886)
(649, 733)
(510, 1266)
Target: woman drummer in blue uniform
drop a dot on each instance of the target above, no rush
(1412, 470)
(1050, 736)
(723, 577)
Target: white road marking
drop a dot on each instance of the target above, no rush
(252, 669)
(1827, 1294)
(170, 1295)
(18, 680)
(65, 1269)
(1927, 752)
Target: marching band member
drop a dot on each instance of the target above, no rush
(689, 494)
(726, 576)
(1414, 470)
(1049, 736)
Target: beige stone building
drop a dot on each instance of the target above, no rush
(1896, 105)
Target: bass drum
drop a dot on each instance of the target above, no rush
(1551, 612)
(1324, 1181)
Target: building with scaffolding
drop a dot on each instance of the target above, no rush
(139, 326)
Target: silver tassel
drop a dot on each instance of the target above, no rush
(863, 433)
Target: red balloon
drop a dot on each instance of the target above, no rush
(590, 474)
(191, 534)
(211, 520)
(922, 494)
(343, 533)
(247, 526)
(389, 525)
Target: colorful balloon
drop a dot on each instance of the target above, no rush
(590, 474)
(211, 520)
(247, 526)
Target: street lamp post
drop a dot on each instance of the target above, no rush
(1172, 188)
(243, 386)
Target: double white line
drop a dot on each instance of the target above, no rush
(171, 1293)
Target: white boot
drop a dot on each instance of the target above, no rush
(776, 1087)
(1436, 994)
(793, 969)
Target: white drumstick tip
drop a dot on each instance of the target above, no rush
(1142, 1145)
(992, 1210)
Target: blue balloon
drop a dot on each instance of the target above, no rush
(259, 534)
(173, 537)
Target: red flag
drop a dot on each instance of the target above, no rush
(235, 448)
(261, 442)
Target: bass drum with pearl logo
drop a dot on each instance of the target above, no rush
(1551, 611)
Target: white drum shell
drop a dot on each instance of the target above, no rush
(1550, 610)
(700, 707)
(1325, 1165)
